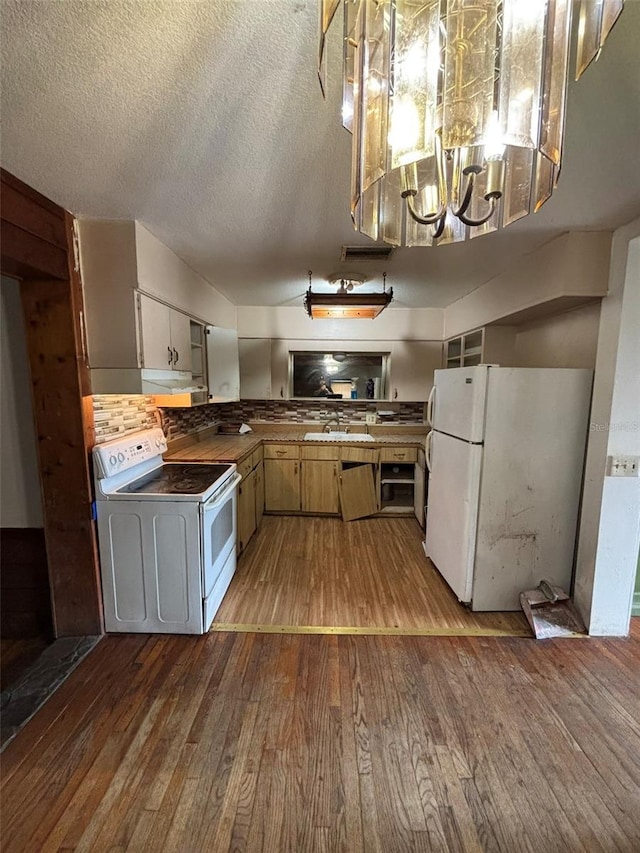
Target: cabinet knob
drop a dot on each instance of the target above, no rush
(395, 393)
(170, 355)
(176, 355)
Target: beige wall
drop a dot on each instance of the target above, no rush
(609, 533)
(573, 266)
(563, 340)
(394, 324)
(20, 499)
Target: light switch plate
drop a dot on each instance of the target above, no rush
(370, 418)
(623, 466)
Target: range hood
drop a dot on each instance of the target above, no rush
(169, 382)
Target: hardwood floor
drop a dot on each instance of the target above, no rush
(369, 574)
(305, 743)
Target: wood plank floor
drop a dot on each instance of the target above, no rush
(252, 742)
(371, 573)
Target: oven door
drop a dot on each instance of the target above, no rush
(219, 532)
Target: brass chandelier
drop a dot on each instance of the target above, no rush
(457, 109)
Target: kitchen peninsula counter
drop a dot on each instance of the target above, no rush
(221, 447)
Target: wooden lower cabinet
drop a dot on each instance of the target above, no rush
(250, 498)
(259, 484)
(358, 492)
(281, 485)
(338, 479)
(320, 486)
(246, 510)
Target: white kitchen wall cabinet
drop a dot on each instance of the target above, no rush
(279, 369)
(223, 365)
(411, 369)
(198, 347)
(490, 345)
(133, 287)
(264, 369)
(165, 336)
(255, 368)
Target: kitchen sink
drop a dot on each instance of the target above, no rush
(338, 436)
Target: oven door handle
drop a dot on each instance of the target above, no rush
(216, 500)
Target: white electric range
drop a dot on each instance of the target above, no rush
(167, 536)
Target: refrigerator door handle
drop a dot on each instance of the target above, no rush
(427, 450)
(430, 406)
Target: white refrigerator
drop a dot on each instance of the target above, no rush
(505, 456)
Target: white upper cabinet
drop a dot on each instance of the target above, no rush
(255, 368)
(279, 370)
(223, 366)
(411, 372)
(264, 369)
(140, 299)
(491, 345)
(165, 336)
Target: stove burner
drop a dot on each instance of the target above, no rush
(177, 479)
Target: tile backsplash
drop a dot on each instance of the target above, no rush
(116, 416)
(177, 423)
(299, 411)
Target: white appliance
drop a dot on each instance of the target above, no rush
(505, 456)
(167, 536)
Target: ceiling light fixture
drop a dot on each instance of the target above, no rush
(345, 304)
(457, 109)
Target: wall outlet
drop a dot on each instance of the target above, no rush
(623, 466)
(370, 418)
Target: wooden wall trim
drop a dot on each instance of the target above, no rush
(51, 294)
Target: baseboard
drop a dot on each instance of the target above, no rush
(635, 604)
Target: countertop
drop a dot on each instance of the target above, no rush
(233, 448)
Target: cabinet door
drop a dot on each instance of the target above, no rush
(155, 328)
(320, 487)
(246, 510)
(223, 367)
(259, 472)
(358, 495)
(279, 369)
(412, 366)
(281, 485)
(255, 368)
(180, 340)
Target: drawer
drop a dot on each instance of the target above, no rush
(320, 452)
(281, 451)
(256, 457)
(399, 454)
(244, 467)
(359, 454)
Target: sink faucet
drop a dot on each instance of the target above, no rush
(335, 418)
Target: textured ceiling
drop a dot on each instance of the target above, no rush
(204, 120)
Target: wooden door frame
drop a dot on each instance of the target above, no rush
(38, 248)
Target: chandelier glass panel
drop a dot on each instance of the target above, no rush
(457, 109)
